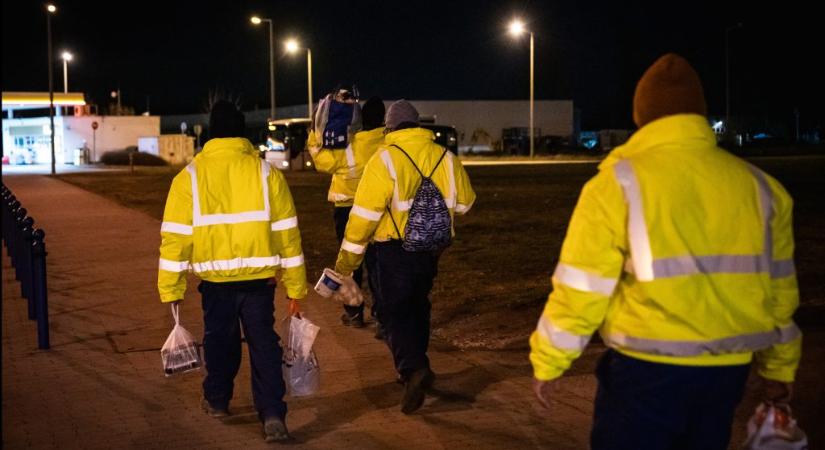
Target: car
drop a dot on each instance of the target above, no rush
(476, 149)
(445, 136)
(285, 144)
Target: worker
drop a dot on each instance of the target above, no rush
(681, 254)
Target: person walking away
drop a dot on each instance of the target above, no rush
(230, 219)
(682, 255)
(390, 192)
(346, 166)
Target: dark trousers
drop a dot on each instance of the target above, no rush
(226, 308)
(644, 405)
(404, 280)
(340, 216)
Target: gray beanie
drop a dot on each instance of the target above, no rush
(399, 113)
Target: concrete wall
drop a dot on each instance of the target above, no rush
(469, 117)
(113, 132)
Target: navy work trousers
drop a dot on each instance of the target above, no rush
(226, 308)
(645, 405)
(340, 216)
(403, 280)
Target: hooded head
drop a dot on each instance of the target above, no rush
(401, 114)
(225, 120)
(372, 114)
(670, 86)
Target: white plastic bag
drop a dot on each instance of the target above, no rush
(180, 353)
(301, 369)
(774, 428)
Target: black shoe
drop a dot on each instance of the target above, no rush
(355, 321)
(275, 430)
(380, 334)
(212, 411)
(417, 383)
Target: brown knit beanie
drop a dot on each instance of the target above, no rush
(401, 114)
(670, 86)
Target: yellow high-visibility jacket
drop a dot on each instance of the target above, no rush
(680, 253)
(345, 165)
(229, 217)
(391, 181)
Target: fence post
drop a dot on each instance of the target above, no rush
(19, 215)
(40, 289)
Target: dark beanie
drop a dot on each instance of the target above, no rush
(225, 120)
(401, 114)
(372, 114)
(670, 86)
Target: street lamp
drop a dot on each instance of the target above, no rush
(257, 21)
(727, 74)
(51, 9)
(292, 46)
(66, 56)
(517, 28)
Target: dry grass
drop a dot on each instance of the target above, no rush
(495, 278)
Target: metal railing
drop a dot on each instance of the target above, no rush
(27, 252)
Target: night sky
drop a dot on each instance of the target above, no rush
(175, 52)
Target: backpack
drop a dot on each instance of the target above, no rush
(429, 227)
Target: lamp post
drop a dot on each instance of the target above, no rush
(517, 28)
(66, 58)
(292, 46)
(727, 74)
(51, 9)
(257, 21)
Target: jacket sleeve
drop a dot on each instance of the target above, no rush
(371, 199)
(591, 262)
(176, 239)
(286, 237)
(324, 158)
(465, 196)
(781, 361)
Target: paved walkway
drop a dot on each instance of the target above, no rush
(101, 384)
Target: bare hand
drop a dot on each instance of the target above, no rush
(294, 309)
(777, 391)
(544, 391)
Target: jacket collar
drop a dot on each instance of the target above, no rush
(678, 128)
(409, 135)
(375, 133)
(227, 145)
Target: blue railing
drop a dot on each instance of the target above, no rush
(27, 252)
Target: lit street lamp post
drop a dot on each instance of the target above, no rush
(66, 58)
(51, 9)
(517, 29)
(257, 21)
(292, 47)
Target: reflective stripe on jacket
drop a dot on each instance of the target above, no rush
(390, 180)
(346, 164)
(680, 253)
(228, 217)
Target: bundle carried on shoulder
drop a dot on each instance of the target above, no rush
(337, 119)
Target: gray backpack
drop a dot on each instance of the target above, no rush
(429, 227)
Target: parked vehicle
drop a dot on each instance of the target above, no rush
(445, 136)
(285, 144)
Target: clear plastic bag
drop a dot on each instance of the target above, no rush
(301, 369)
(774, 428)
(180, 353)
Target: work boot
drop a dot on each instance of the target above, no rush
(416, 384)
(275, 430)
(355, 321)
(380, 334)
(212, 411)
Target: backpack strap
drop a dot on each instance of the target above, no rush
(394, 225)
(410, 158)
(439, 162)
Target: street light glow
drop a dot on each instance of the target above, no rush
(51, 8)
(292, 46)
(517, 27)
(67, 56)
(256, 20)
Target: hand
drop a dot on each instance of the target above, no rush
(294, 309)
(776, 391)
(544, 391)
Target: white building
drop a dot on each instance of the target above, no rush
(27, 140)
